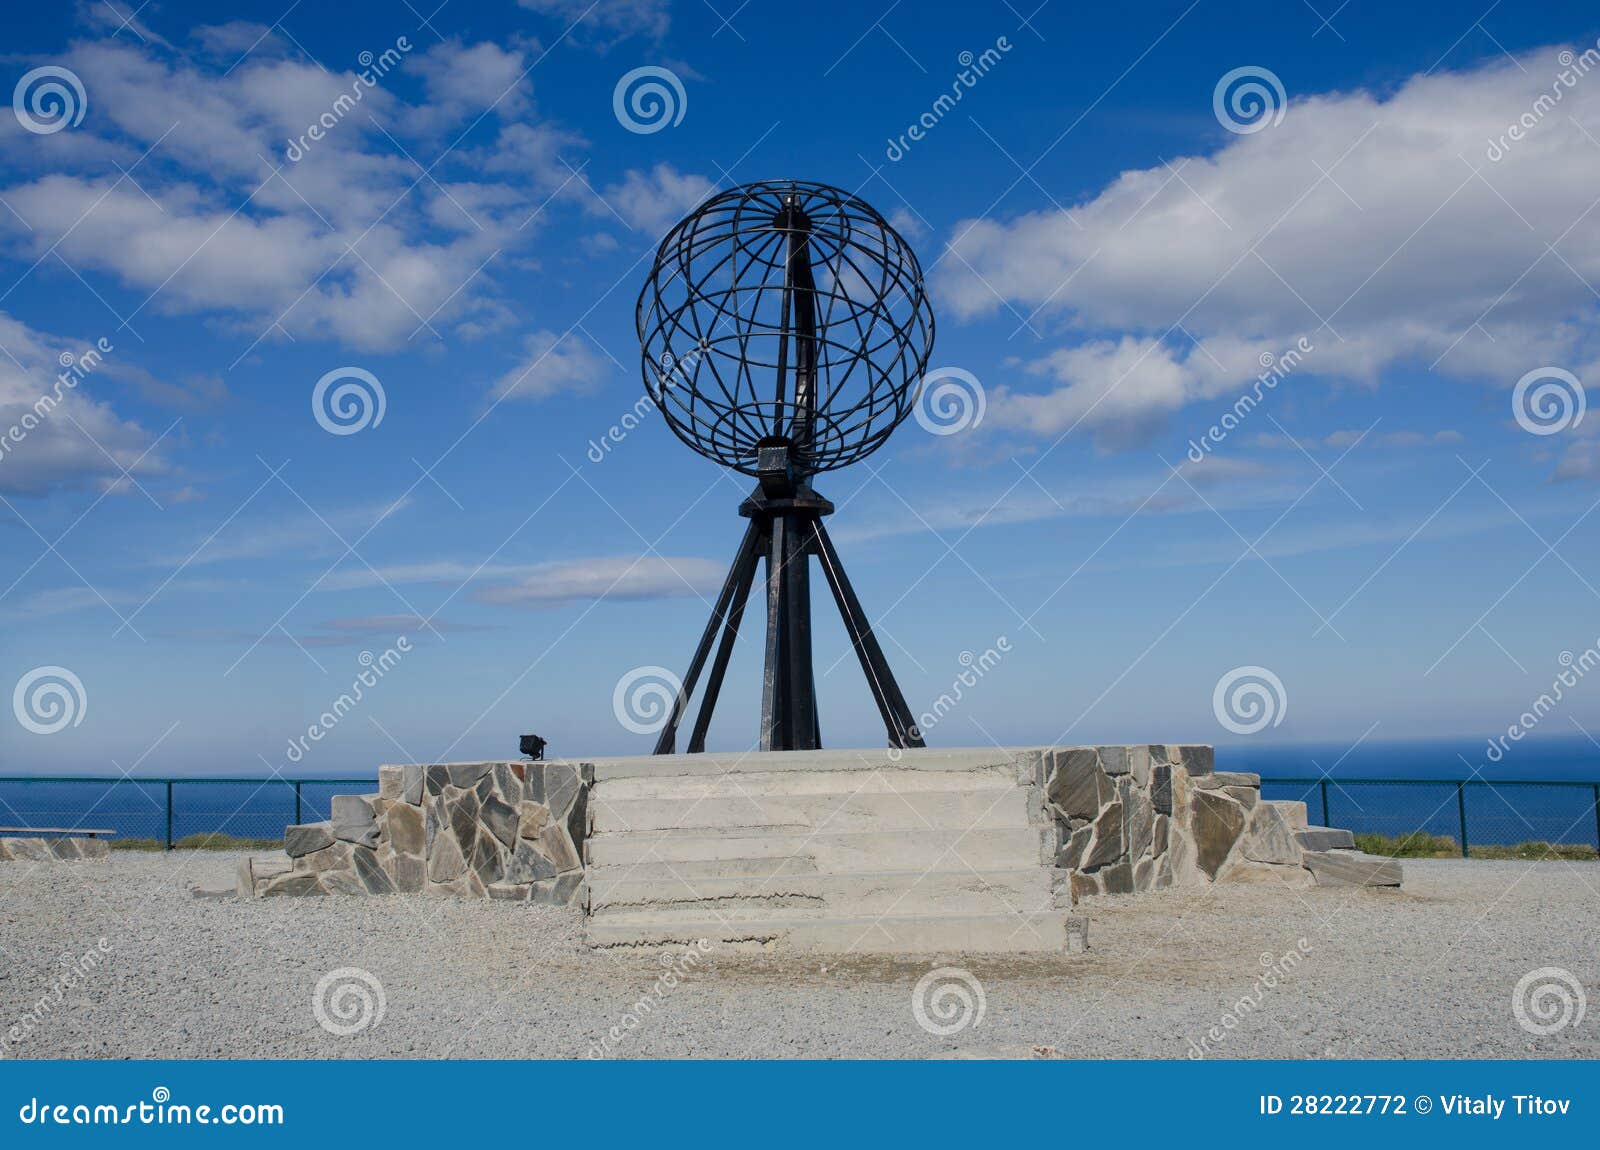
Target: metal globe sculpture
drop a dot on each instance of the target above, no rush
(784, 310)
(783, 332)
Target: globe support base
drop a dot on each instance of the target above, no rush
(786, 529)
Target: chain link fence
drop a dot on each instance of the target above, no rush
(162, 813)
(1471, 814)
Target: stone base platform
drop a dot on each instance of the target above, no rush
(852, 850)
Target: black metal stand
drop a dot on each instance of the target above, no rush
(786, 527)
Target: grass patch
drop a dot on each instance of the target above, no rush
(1572, 852)
(1422, 845)
(211, 841)
(1416, 845)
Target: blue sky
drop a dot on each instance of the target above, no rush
(1111, 249)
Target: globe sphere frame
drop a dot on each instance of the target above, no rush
(784, 310)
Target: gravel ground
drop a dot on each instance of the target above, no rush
(1426, 972)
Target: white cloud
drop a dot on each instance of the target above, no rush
(536, 150)
(907, 223)
(54, 434)
(464, 80)
(351, 241)
(298, 534)
(554, 364)
(576, 580)
(354, 628)
(622, 17)
(542, 584)
(1350, 437)
(236, 37)
(655, 200)
(1414, 248)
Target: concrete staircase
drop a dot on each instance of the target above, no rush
(827, 851)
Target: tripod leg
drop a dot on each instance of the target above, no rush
(667, 740)
(891, 703)
(745, 567)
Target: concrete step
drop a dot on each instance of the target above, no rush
(1352, 868)
(916, 810)
(856, 761)
(829, 851)
(690, 869)
(1325, 839)
(893, 934)
(885, 781)
(629, 894)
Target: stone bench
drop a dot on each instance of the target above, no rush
(30, 844)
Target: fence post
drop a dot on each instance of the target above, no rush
(1461, 809)
(297, 819)
(1325, 821)
(169, 814)
(1597, 816)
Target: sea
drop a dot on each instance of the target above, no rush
(1549, 791)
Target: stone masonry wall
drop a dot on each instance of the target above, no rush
(1137, 818)
(503, 830)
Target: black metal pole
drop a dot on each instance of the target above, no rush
(774, 728)
(169, 814)
(799, 686)
(1461, 808)
(1597, 817)
(1325, 820)
(802, 286)
(297, 802)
